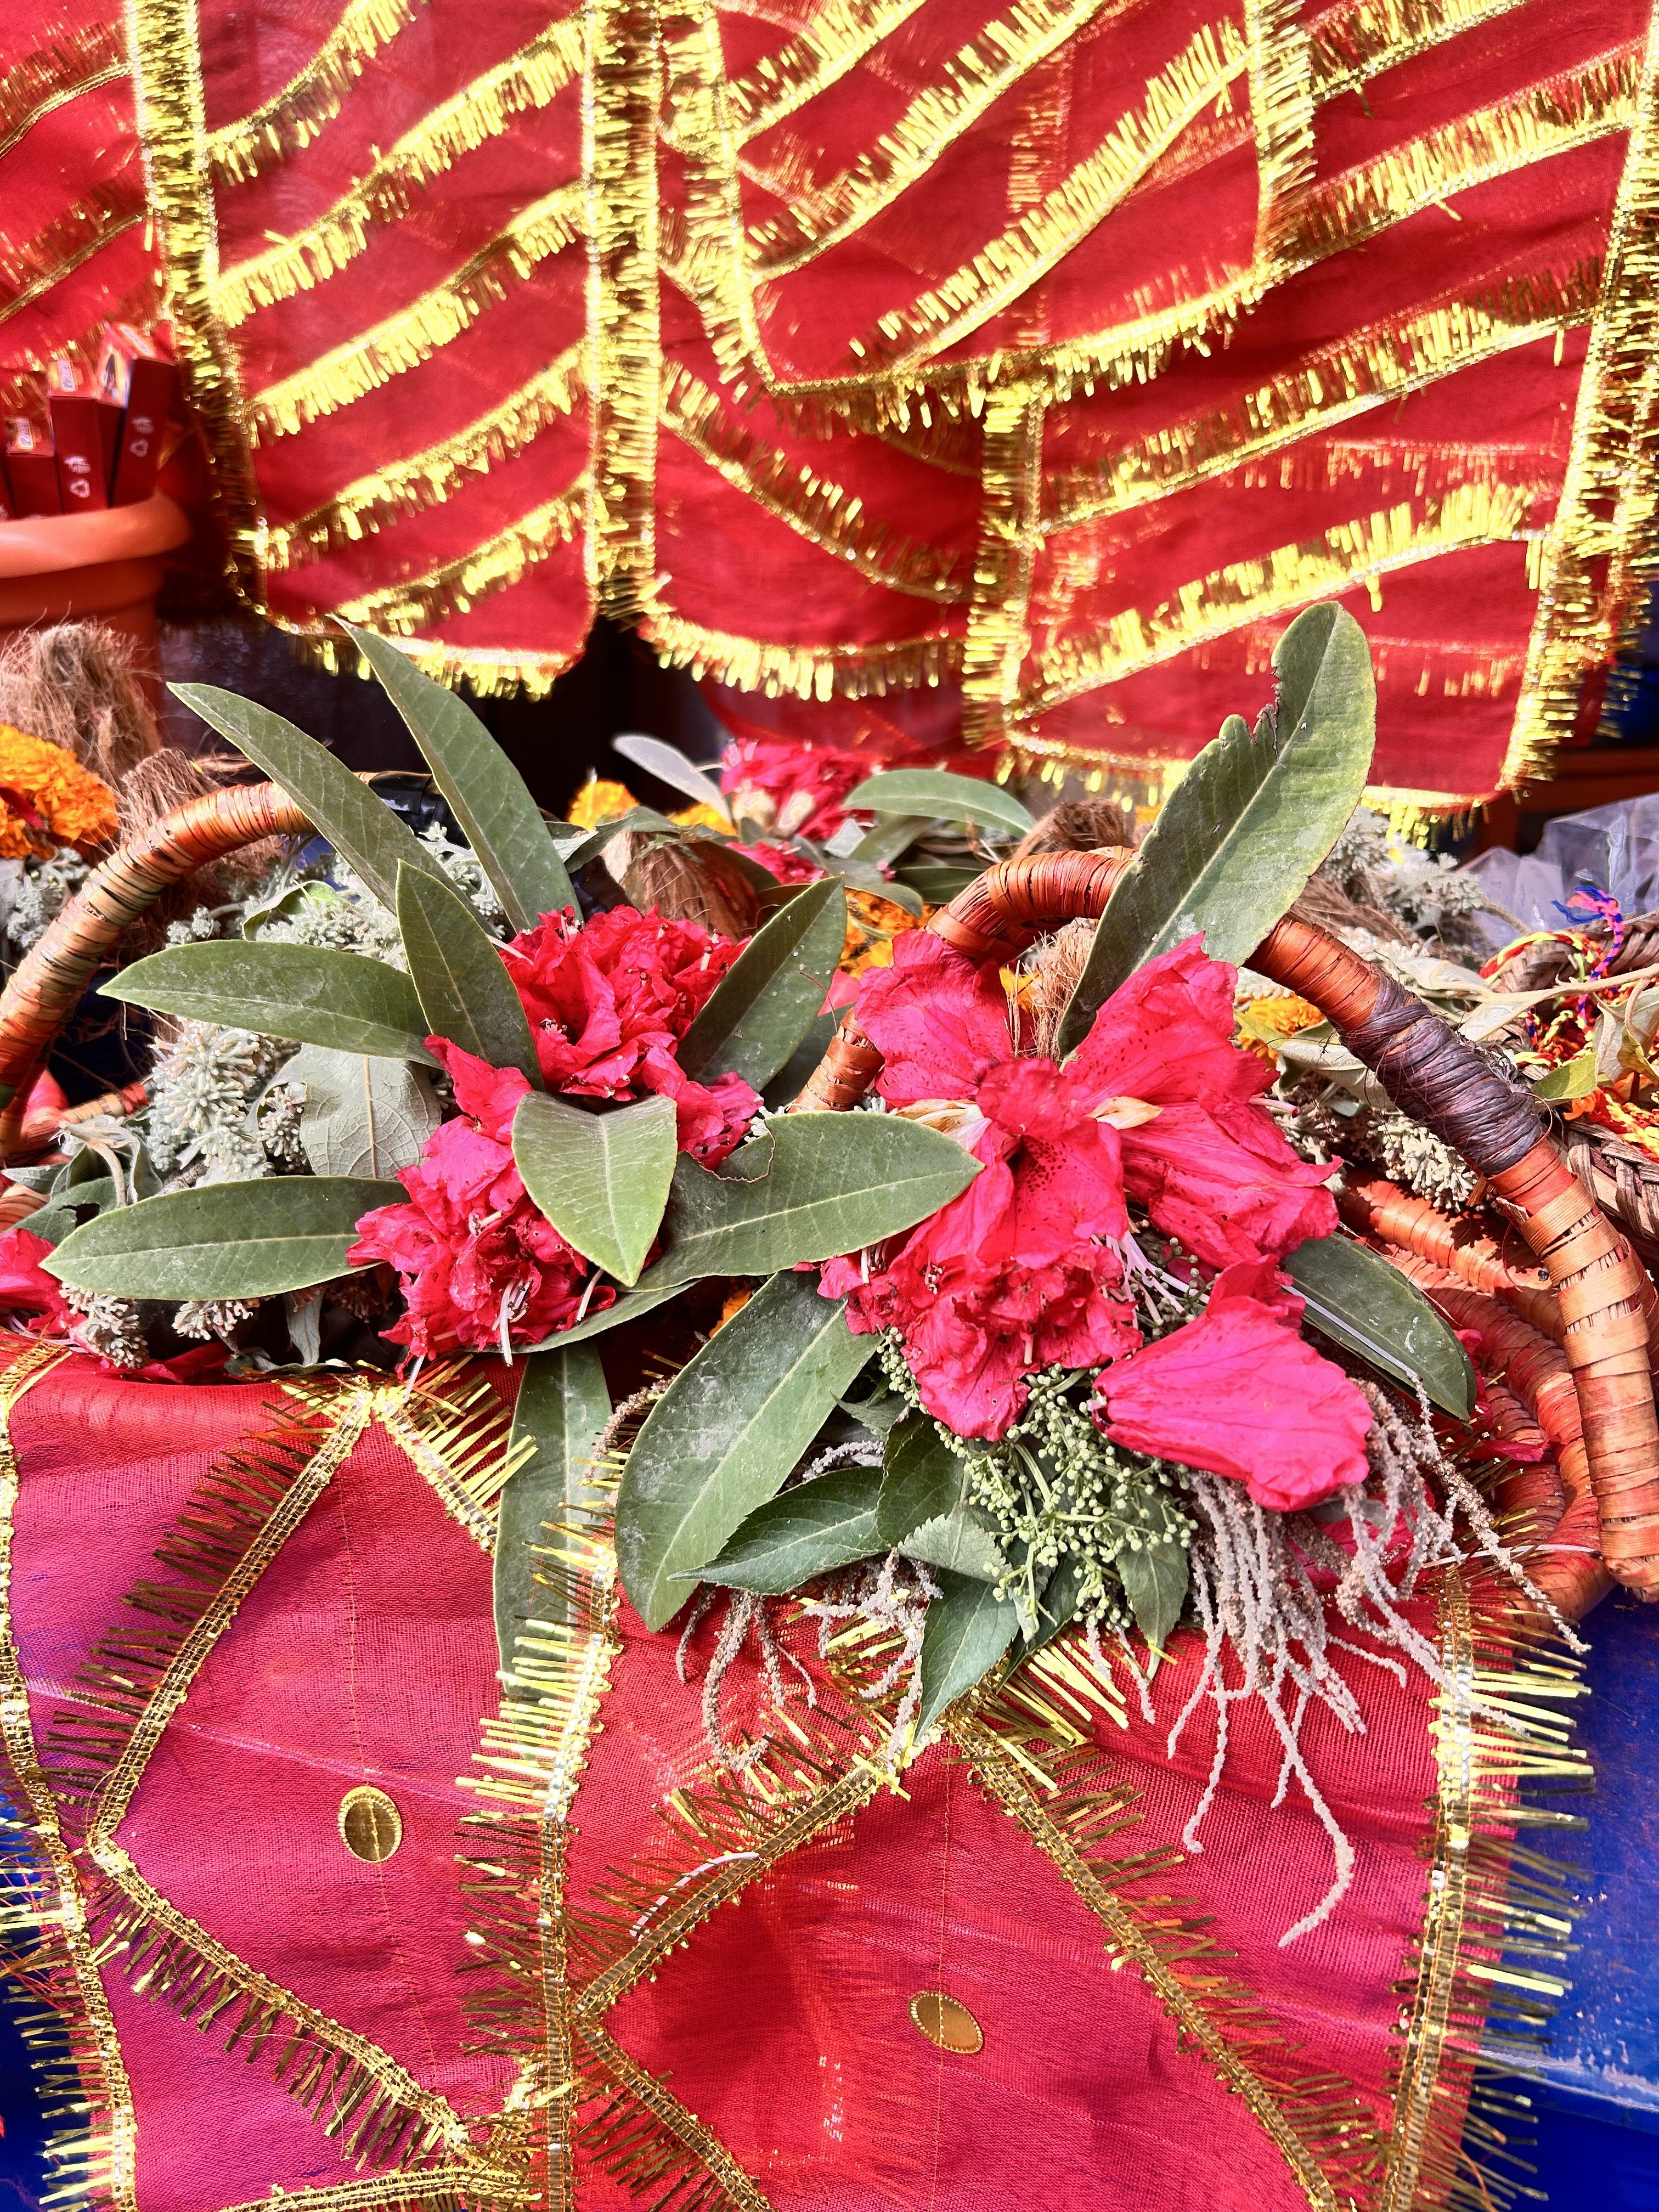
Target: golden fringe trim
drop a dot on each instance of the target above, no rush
(643, 2137)
(60, 2002)
(1352, 43)
(494, 565)
(1602, 551)
(456, 1430)
(1290, 576)
(1282, 118)
(1497, 1927)
(1010, 539)
(821, 511)
(75, 62)
(169, 106)
(441, 2191)
(427, 479)
(838, 37)
(311, 98)
(779, 671)
(413, 334)
(822, 213)
(527, 81)
(72, 237)
(490, 673)
(619, 167)
(1326, 387)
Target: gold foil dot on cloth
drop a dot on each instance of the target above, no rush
(947, 2022)
(371, 1826)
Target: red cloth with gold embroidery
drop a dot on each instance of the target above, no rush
(1051, 353)
(224, 1616)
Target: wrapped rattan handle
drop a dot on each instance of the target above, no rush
(48, 986)
(1431, 1073)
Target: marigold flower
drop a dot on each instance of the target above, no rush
(48, 799)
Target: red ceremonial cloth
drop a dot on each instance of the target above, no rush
(357, 1649)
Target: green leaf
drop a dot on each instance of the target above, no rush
(631, 1306)
(362, 828)
(790, 1080)
(223, 1240)
(1249, 822)
(601, 1179)
(967, 1631)
(362, 1116)
(921, 1479)
(943, 797)
(1154, 1580)
(893, 834)
(938, 886)
(1358, 1300)
(670, 766)
(767, 1000)
(725, 1434)
(810, 1186)
(1057, 1608)
(465, 993)
(339, 999)
(488, 797)
(563, 1408)
(961, 1542)
(1573, 1078)
(801, 1534)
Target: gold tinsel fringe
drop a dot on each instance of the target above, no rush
(482, 110)
(73, 236)
(312, 97)
(850, 672)
(425, 602)
(73, 62)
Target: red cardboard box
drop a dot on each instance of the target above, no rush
(86, 428)
(31, 467)
(137, 372)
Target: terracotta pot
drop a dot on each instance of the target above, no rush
(63, 568)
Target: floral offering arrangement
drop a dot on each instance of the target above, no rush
(1057, 1332)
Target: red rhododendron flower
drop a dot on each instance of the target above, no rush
(1019, 1271)
(25, 1285)
(478, 1263)
(608, 1004)
(797, 791)
(1238, 1393)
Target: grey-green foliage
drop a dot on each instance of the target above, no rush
(1252, 818)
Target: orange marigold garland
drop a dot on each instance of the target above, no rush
(48, 799)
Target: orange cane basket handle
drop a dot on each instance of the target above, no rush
(1431, 1073)
(47, 987)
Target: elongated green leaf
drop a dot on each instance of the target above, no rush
(893, 834)
(967, 1631)
(921, 1479)
(362, 828)
(1057, 1608)
(1154, 1580)
(362, 1116)
(601, 1179)
(563, 1405)
(938, 886)
(790, 1080)
(947, 798)
(725, 1433)
(810, 1186)
(1573, 1078)
(1358, 1300)
(961, 1542)
(465, 993)
(223, 1240)
(632, 1305)
(670, 766)
(826, 1523)
(488, 797)
(768, 999)
(1252, 818)
(339, 999)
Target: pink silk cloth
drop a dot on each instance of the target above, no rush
(220, 1627)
